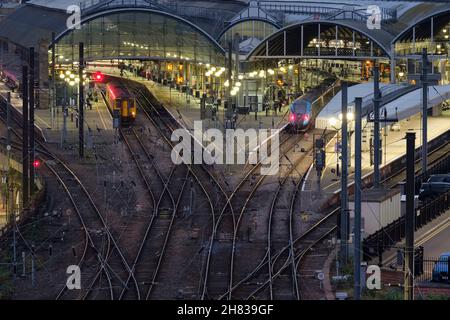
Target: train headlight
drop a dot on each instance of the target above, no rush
(292, 117)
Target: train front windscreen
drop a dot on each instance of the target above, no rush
(299, 106)
(300, 113)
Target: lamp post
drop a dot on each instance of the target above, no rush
(337, 124)
(343, 222)
(70, 80)
(333, 122)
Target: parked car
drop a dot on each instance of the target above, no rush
(440, 270)
(436, 185)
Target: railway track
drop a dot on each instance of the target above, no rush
(152, 248)
(247, 187)
(206, 181)
(99, 242)
(292, 257)
(287, 144)
(101, 239)
(146, 266)
(281, 223)
(232, 222)
(312, 256)
(279, 227)
(227, 220)
(303, 246)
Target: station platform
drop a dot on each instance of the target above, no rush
(407, 101)
(97, 121)
(394, 147)
(187, 112)
(404, 105)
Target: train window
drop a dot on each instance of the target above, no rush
(300, 106)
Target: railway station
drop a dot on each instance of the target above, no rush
(338, 162)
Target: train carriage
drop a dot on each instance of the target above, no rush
(300, 113)
(120, 98)
(301, 109)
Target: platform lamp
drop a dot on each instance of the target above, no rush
(333, 123)
(70, 80)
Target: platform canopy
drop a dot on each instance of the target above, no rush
(325, 39)
(424, 27)
(111, 31)
(143, 34)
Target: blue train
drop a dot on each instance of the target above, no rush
(300, 111)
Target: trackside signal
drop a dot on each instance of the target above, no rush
(98, 76)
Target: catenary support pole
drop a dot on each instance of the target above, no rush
(344, 191)
(10, 194)
(31, 119)
(8, 124)
(357, 226)
(65, 115)
(410, 216)
(376, 127)
(424, 110)
(25, 124)
(81, 101)
(53, 97)
(230, 82)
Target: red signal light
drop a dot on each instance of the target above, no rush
(292, 117)
(306, 117)
(98, 76)
(36, 163)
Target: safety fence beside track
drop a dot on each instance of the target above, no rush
(394, 232)
(432, 270)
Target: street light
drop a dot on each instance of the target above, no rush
(350, 116)
(336, 124)
(333, 122)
